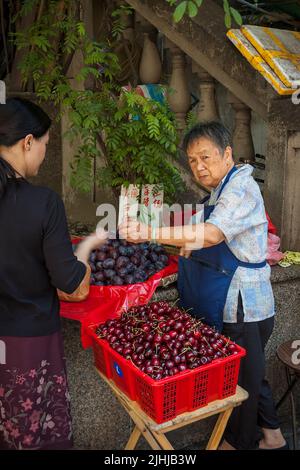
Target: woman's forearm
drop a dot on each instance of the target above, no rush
(194, 237)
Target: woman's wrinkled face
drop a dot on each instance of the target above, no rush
(35, 151)
(207, 163)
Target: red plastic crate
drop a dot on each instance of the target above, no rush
(165, 399)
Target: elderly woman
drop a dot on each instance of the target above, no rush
(223, 276)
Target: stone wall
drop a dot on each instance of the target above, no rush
(101, 423)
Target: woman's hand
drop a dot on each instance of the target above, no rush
(96, 239)
(90, 243)
(135, 231)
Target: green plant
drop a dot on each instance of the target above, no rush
(191, 8)
(137, 137)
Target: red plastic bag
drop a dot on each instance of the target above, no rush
(273, 253)
(271, 226)
(103, 300)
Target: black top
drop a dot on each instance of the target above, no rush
(36, 257)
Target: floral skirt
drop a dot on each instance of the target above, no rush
(34, 397)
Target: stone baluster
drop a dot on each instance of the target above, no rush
(179, 97)
(2, 92)
(243, 147)
(150, 65)
(207, 108)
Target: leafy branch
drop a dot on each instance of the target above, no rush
(191, 9)
(136, 137)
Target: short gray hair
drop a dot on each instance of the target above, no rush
(213, 130)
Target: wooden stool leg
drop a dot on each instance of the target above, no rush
(219, 429)
(145, 431)
(163, 441)
(133, 440)
(293, 408)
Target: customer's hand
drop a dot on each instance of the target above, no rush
(93, 241)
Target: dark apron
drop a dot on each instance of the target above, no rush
(205, 277)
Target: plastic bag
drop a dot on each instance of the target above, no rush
(271, 227)
(105, 300)
(273, 253)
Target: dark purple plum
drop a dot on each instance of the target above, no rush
(123, 250)
(109, 273)
(99, 276)
(130, 250)
(109, 263)
(130, 268)
(135, 259)
(163, 259)
(100, 256)
(153, 257)
(117, 281)
(122, 262)
(92, 266)
(122, 272)
(129, 279)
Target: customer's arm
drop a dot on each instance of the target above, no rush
(66, 269)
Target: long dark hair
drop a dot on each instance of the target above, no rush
(18, 118)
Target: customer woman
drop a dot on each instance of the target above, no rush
(36, 259)
(223, 276)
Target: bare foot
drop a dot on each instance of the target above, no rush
(225, 446)
(272, 439)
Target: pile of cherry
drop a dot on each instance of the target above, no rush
(119, 262)
(163, 340)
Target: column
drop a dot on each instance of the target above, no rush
(2, 92)
(243, 147)
(207, 107)
(179, 95)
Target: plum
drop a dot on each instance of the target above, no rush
(100, 256)
(103, 248)
(135, 259)
(143, 260)
(92, 266)
(117, 281)
(123, 250)
(122, 261)
(140, 275)
(143, 246)
(99, 265)
(159, 265)
(153, 257)
(109, 263)
(164, 259)
(109, 273)
(122, 272)
(99, 276)
(130, 250)
(113, 253)
(147, 264)
(130, 268)
(129, 279)
(158, 249)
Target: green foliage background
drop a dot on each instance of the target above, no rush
(136, 137)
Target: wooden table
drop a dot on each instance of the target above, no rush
(155, 434)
